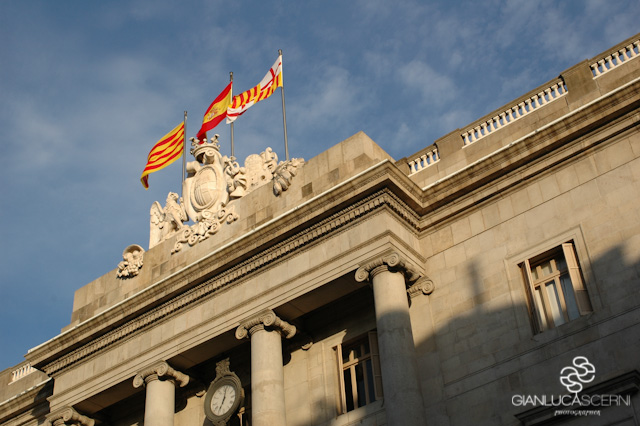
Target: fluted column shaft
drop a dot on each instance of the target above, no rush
(267, 371)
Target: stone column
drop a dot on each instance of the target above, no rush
(67, 416)
(267, 371)
(402, 394)
(160, 381)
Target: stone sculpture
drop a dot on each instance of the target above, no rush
(131, 261)
(213, 182)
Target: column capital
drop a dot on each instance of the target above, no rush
(157, 370)
(266, 318)
(387, 262)
(416, 282)
(69, 416)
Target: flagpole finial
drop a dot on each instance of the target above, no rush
(279, 51)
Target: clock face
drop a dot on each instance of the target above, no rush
(222, 399)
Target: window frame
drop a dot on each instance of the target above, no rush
(542, 316)
(374, 355)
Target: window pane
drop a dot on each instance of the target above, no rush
(541, 311)
(534, 274)
(348, 390)
(546, 268)
(561, 264)
(369, 368)
(366, 347)
(554, 301)
(569, 297)
(362, 395)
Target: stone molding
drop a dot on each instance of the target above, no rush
(158, 370)
(336, 222)
(264, 319)
(415, 281)
(69, 416)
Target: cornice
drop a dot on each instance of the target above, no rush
(335, 223)
(572, 127)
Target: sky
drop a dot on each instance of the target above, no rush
(87, 88)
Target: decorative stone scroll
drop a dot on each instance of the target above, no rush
(415, 281)
(157, 370)
(131, 261)
(264, 319)
(213, 182)
(69, 416)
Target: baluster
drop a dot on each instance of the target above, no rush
(478, 134)
(615, 59)
(541, 98)
(561, 88)
(547, 94)
(503, 117)
(608, 62)
(495, 122)
(424, 161)
(485, 131)
(528, 106)
(601, 64)
(411, 169)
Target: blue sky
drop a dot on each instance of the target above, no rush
(87, 88)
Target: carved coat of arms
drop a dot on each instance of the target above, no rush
(213, 182)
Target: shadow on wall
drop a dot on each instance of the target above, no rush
(475, 353)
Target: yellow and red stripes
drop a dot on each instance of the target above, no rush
(166, 151)
(263, 90)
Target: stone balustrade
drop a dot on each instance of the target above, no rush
(424, 160)
(19, 373)
(515, 112)
(615, 59)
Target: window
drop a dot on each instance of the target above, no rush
(557, 293)
(359, 370)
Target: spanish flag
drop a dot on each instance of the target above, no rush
(216, 112)
(166, 151)
(263, 90)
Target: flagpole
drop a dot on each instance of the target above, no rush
(231, 128)
(284, 115)
(184, 151)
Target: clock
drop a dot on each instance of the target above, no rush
(223, 398)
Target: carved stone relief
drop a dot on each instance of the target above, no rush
(131, 261)
(213, 182)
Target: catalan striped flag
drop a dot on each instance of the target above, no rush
(216, 112)
(166, 151)
(263, 90)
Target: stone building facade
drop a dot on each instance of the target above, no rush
(491, 278)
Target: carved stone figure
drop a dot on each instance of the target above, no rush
(213, 181)
(165, 221)
(131, 261)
